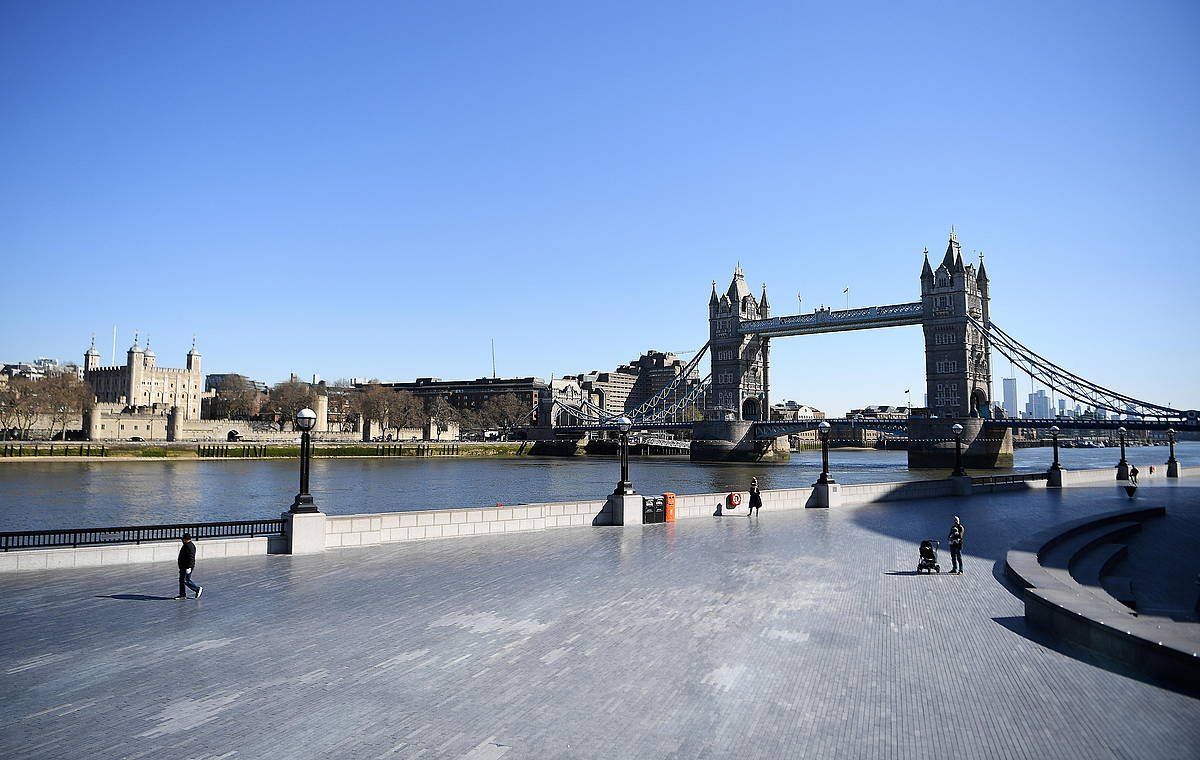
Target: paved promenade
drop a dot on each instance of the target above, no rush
(790, 635)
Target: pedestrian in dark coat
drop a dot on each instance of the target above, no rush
(955, 539)
(187, 563)
(755, 498)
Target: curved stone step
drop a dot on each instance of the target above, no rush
(1089, 567)
(1023, 563)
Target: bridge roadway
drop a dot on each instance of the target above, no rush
(803, 634)
(775, 429)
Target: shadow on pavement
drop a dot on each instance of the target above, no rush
(1019, 626)
(137, 597)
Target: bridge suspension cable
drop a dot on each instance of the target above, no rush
(1068, 383)
(669, 388)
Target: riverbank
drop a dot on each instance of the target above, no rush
(37, 451)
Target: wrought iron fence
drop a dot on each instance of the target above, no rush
(998, 480)
(46, 539)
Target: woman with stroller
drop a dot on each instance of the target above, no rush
(955, 539)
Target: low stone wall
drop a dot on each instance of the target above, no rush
(1080, 477)
(390, 527)
(130, 554)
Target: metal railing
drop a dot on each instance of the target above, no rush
(47, 539)
(998, 480)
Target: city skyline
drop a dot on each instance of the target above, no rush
(390, 209)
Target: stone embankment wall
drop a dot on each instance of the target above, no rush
(389, 527)
(131, 554)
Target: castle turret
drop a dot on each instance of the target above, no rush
(193, 358)
(764, 307)
(91, 359)
(135, 392)
(713, 303)
(148, 356)
(926, 273)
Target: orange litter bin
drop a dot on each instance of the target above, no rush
(669, 501)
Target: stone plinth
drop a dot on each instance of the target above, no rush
(626, 510)
(1054, 477)
(305, 532)
(825, 495)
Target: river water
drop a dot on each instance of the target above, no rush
(48, 495)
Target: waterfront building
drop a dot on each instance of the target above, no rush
(609, 390)
(793, 410)
(213, 382)
(880, 412)
(469, 395)
(38, 369)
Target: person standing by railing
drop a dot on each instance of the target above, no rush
(187, 563)
(755, 498)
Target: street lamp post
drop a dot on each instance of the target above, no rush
(624, 487)
(1122, 466)
(823, 431)
(306, 420)
(1172, 462)
(958, 466)
(1054, 432)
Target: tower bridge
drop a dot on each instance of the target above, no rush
(727, 412)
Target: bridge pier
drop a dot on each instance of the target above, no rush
(734, 441)
(548, 443)
(987, 445)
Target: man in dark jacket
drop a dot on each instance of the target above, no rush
(187, 563)
(957, 531)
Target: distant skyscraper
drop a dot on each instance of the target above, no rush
(1010, 396)
(1038, 405)
(1062, 407)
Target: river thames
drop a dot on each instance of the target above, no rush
(77, 494)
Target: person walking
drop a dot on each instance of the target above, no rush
(755, 498)
(187, 563)
(1133, 473)
(955, 539)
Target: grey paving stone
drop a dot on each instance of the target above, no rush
(795, 634)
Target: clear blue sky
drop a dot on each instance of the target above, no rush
(377, 189)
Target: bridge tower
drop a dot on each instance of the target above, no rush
(958, 368)
(739, 393)
(739, 381)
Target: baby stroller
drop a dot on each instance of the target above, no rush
(929, 558)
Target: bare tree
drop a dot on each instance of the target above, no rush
(407, 410)
(441, 410)
(61, 397)
(9, 398)
(288, 398)
(236, 399)
(373, 403)
(26, 405)
(513, 412)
